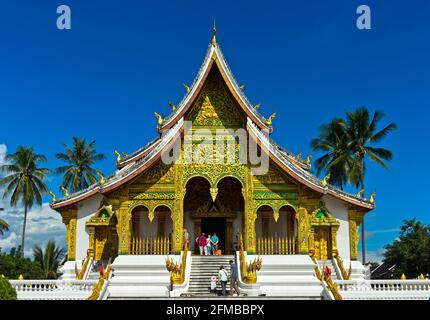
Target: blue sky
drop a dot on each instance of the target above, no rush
(304, 60)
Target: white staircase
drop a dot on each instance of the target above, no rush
(288, 276)
(202, 268)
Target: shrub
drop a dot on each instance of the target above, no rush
(6, 290)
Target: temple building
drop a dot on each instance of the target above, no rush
(182, 180)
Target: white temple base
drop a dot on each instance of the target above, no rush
(68, 271)
(289, 276)
(136, 276)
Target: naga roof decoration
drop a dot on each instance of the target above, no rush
(135, 164)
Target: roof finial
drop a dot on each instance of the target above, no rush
(214, 34)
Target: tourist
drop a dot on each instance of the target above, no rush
(213, 283)
(223, 279)
(208, 246)
(233, 278)
(202, 243)
(186, 239)
(214, 241)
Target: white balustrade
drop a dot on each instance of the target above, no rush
(53, 289)
(384, 289)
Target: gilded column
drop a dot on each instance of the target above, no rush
(178, 210)
(355, 218)
(91, 247)
(335, 251)
(303, 231)
(308, 202)
(250, 214)
(124, 225)
(120, 206)
(70, 220)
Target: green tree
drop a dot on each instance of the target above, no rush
(6, 290)
(12, 264)
(336, 159)
(49, 259)
(24, 182)
(346, 144)
(362, 135)
(410, 252)
(79, 174)
(4, 226)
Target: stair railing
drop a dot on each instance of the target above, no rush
(83, 273)
(345, 275)
(177, 271)
(327, 282)
(248, 271)
(100, 287)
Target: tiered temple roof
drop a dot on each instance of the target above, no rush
(258, 127)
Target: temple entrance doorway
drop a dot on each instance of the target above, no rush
(215, 225)
(208, 209)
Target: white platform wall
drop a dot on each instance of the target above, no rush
(339, 211)
(85, 210)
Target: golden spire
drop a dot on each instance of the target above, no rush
(214, 34)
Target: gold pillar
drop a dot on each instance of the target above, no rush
(312, 241)
(91, 247)
(303, 230)
(250, 214)
(70, 220)
(308, 202)
(334, 249)
(178, 221)
(355, 218)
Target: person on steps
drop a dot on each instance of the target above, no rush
(208, 246)
(214, 241)
(223, 278)
(234, 278)
(202, 244)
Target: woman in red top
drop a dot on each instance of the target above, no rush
(202, 243)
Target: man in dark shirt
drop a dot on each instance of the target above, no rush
(234, 277)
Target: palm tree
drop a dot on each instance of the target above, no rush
(362, 136)
(3, 225)
(79, 174)
(25, 181)
(346, 144)
(49, 259)
(336, 160)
